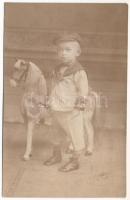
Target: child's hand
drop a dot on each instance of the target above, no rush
(80, 107)
(80, 104)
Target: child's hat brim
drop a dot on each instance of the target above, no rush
(66, 37)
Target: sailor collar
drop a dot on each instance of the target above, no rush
(71, 69)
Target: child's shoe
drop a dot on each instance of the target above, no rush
(55, 158)
(71, 165)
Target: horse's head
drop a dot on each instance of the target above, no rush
(20, 71)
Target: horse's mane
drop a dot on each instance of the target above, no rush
(34, 73)
(35, 80)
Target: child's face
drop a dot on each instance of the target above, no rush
(68, 51)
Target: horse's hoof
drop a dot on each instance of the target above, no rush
(26, 158)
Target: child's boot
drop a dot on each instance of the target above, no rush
(55, 158)
(71, 165)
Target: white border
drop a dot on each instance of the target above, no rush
(1, 85)
(65, 1)
(128, 82)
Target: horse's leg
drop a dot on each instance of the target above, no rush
(30, 129)
(89, 132)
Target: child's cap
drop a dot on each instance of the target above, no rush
(66, 37)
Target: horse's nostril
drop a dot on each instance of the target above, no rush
(13, 83)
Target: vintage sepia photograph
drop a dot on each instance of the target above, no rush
(64, 100)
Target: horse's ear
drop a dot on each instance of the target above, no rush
(23, 62)
(16, 59)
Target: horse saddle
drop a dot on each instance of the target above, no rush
(33, 107)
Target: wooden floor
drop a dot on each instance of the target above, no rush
(100, 175)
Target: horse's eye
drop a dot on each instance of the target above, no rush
(16, 69)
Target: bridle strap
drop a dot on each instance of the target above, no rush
(24, 74)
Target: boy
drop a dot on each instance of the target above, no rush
(68, 92)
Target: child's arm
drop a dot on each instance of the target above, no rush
(81, 82)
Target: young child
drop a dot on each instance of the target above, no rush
(68, 93)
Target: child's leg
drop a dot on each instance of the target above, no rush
(73, 124)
